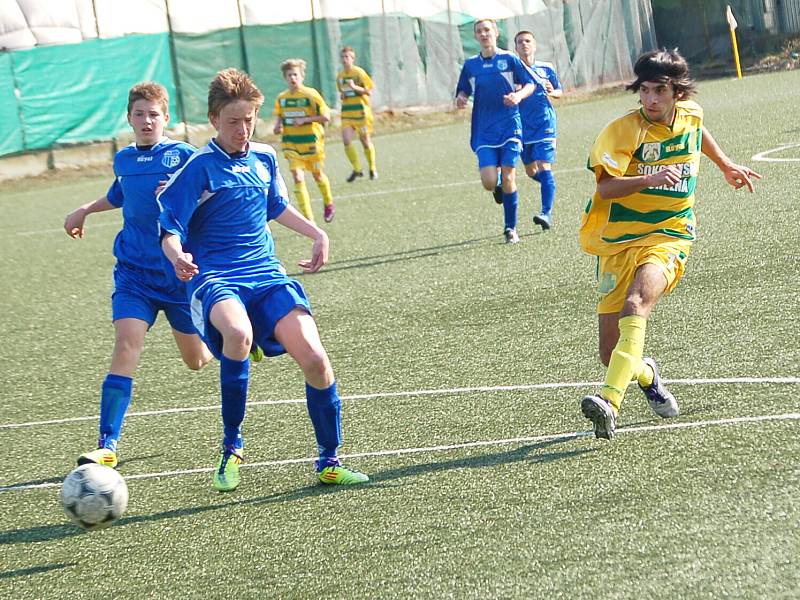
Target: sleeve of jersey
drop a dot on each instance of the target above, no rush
(610, 153)
(463, 82)
(553, 77)
(179, 199)
(321, 108)
(521, 73)
(114, 194)
(366, 80)
(277, 194)
(276, 109)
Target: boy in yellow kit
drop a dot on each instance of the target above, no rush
(640, 223)
(301, 114)
(355, 87)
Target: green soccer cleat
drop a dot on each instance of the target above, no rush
(256, 353)
(226, 477)
(337, 474)
(101, 456)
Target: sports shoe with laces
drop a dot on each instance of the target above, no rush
(543, 220)
(354, 175)
(659, 397)
(332, 472)
(373, 174)
(226, 476)
(601, 414)
(498, 194)
(256, 353)
(101, 456)
(511, 235)
(330, 210)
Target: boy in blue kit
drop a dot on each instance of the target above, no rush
(143, 286)
(539, 125)
(214, 219)
(496, 137)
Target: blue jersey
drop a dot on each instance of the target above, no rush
(138, 173)
(219, 206)
(488, 80)
(538, 115)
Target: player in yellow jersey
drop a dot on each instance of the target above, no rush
(301, 114)
(640, 223)
(355, 87)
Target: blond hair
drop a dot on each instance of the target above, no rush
(150, 91)
(229, 86)
(293, 63)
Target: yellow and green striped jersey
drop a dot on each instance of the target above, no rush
(354, 106)
(632, 146)
(307, 139)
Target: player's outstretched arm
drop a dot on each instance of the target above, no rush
(292, 219)
(73, 223)
(736, 175)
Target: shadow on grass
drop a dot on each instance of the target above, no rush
(35, 570)
(385, 259)
(377, 480)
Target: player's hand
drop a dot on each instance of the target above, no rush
(185, 268)
(511, 99)
(668, 176)
(319, 254)
(278, 127)
(739, 176)
(73, 223)
(461, 101)
(548, 87)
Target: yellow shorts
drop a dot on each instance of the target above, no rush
(363, 126)
(314, 164)
(615, 273)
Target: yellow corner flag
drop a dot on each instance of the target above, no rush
(732, 25)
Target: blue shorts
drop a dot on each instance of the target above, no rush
(140, 294)
(265, 306)
(543, 151)
(505, 155)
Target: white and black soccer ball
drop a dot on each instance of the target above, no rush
(94, 496)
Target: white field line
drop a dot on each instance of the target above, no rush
(449, 447)
(416, 393)
(338, 198)
(764, 156)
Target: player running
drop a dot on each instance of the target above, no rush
(640, 223)
(492, 77)
(355, 87)
(143, 282)
(301, 114)
(539, 125)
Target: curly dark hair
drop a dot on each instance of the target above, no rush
(664, 66)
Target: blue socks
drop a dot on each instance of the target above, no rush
(233, 379)
(510, 210)
(325, 410)
(114, 401)
(548, 182)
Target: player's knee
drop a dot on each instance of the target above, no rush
(238, 339)
(315, 364)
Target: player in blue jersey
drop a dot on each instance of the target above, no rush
(539, 125)
(214, 218)
(143, 282)
(492, 78)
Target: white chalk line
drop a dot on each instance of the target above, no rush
(90, 226)
(450, 447)
(416, 393)
(764, 156)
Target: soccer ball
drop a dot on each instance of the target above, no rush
(94, 496)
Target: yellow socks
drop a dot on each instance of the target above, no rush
(352, 156)
(369, 152)
(303, 200)
(324, 186)
(626, 359)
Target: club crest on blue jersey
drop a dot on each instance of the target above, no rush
(262, 171)
(171, 159)
(502, 64)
